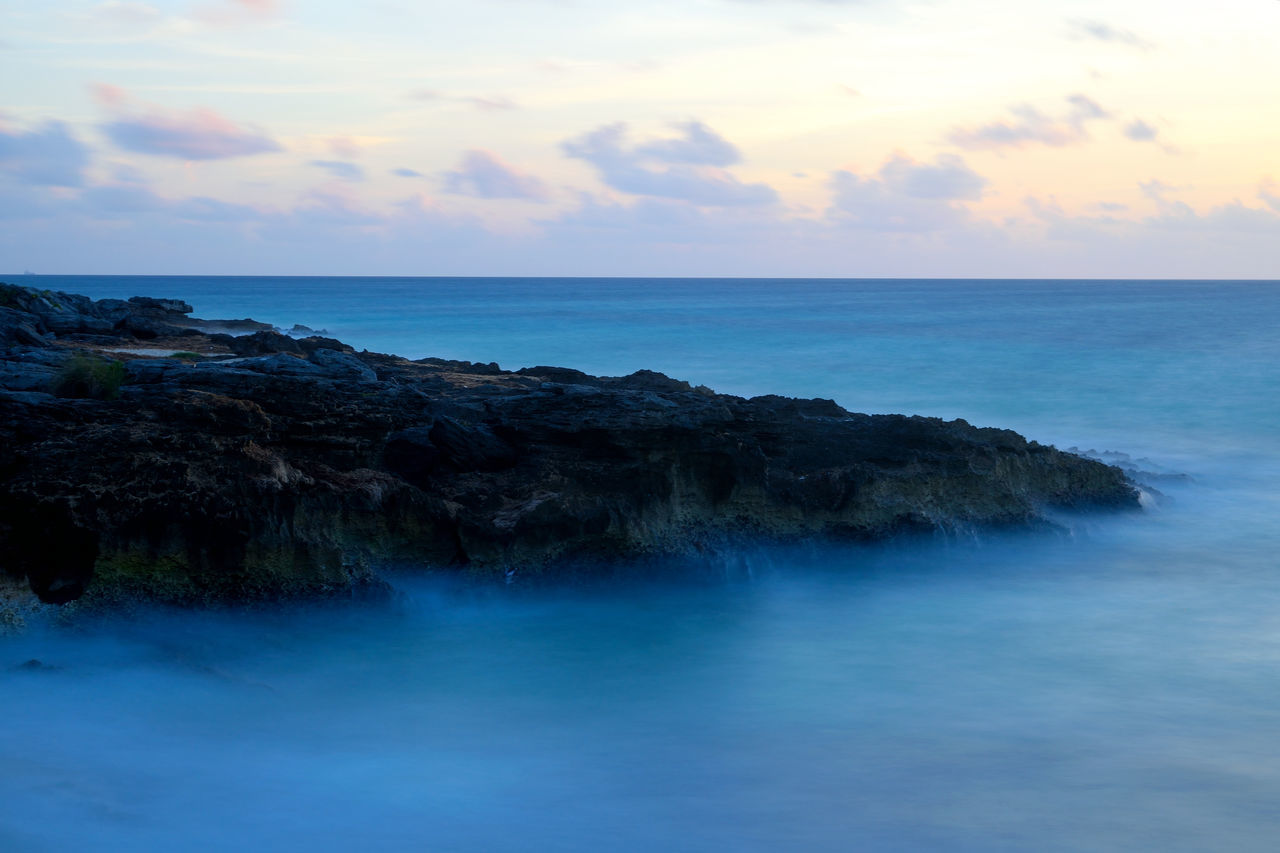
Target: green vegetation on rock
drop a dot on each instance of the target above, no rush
(86, 377)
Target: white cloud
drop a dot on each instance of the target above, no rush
(686, 168)
(906, 196)
(1103, 32)
(1030, 126)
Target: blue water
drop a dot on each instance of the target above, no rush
(1113, 687)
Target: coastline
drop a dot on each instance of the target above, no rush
(264, 466)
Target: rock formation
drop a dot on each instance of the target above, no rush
(265, 466)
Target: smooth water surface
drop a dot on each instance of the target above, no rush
(1113, 687)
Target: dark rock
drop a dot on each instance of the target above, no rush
(143, 328)
(313, 343)
(43, 542)
(803, 408)
(282, 364)
(470, 446)
(297, 467)
(341, 365)
(159, 307)
(411, 454)
(22, 329)
(651, 380)
(490, 369)
(263, 343)
(559, 375)
(32, 370)
(232, 327)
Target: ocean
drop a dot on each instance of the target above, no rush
(1114, 685)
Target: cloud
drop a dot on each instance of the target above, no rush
(1232, 220)
(109, 96)
(199, 134)
(1059, 225)
(1084, 108)
(482, 175)
(1176, 226)
(318, 211)
(407, 173)
(1156, 189)
(1033, 127)
(485, 103)
(341, 169)
(1139, 131)
(646, 214)
(685, 168)
(949, 178)
(906, 196)
(700, 146)
(1099, 31)
(47, 156)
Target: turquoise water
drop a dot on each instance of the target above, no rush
(1113, 687)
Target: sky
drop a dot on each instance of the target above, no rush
(846, 138)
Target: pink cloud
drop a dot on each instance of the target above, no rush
(197, 134)
(108, 95)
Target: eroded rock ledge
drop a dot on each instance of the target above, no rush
(266, 466)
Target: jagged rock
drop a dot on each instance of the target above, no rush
(263, 343)
(20, 328)
(298, 466)
(315, 342)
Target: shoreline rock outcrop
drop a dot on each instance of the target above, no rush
(266, 466)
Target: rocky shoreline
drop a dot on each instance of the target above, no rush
(146, 454)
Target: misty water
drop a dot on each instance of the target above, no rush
(1112, 685)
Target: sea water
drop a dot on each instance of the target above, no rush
(1112, 686)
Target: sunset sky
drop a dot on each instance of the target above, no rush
(585, 137)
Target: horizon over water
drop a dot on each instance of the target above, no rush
(1110, 686)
